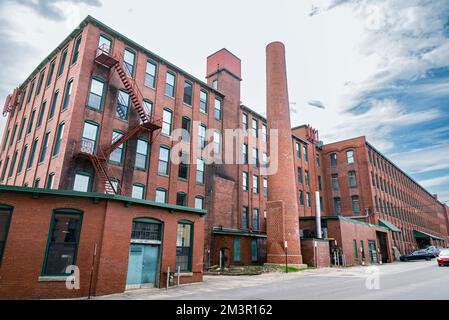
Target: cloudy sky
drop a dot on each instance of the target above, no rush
(380, 68)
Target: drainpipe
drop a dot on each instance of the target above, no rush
(318, 215)
(367, 210)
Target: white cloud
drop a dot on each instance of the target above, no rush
(433, 182)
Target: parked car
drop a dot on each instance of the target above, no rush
(434, 250)
(443, 258)
(418, 255)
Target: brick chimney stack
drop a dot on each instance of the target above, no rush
(282, 207)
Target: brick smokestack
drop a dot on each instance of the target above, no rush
(282, 207)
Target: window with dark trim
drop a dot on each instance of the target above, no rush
(53, 105)
(138, 191)
(129, 62)
(39, 82)
(188, 92)
(41, 114)
(237, 249)
(50, 73)
(161, 195)
(62, 62)
(122, 105)
(333, 158)
(13, 164)
(181, 199)
(170, 84)
(184, 246)
(22, 159)
(32, 153)
(218, 109)
(5, 219)
(76, 51)
(63, 240)
(116, 156)
(58, 141)
(164, 159)
(183, 168)
(96, 92)
(245, 218)
(44, 148)
(141, 154)
(203, 101)
(30, 123)
(199, 202)
(150, 74)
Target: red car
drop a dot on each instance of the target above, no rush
(443, 258)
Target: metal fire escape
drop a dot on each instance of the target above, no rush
(99, 158)
(12, 100)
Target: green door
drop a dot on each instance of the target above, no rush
(142, 264)
(372, 251)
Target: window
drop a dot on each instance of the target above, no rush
(89, 138)
(318, 161)
(161, 195)
(22, 98)
(105, 44)
(150, 75)
(62, 63)
(37, 182)
(237, 247)
(50, 180)
(350, 157)
(146, 229)
(362, 249)
(5, 218)
(264, 133)
(41, 114)
(337, 206)
(188, 91)
(200, 167)
(138, 191)
(333, 158)
(254, 250)
(39, 83)
(22, 126)
(185, 124)
(265, 187)
(13, 135)
(307, 175)
(167, 122)
(4, 169)
(141, 154)
(58, 141)
(203, 101)
(30, 93)
(308, 199)
(181, 199)
(320, 183)
(245, 154)
(82, 182)
(217, 109)
(184, 244)
(245, 218)
(256, 219)
(255, 184)
(334, 182)
(122, 105)
(245, 122)
(355, 204)
(183, 168)
(255, 128)
(164, 158)
(128, 63)
(305, 151)
(68, 93)
(33, 152)
(201, 136)
(116, 156)
(148, 107)
(356, 252)
(300, 175)
(53, 105)
(301, 197)
(170, 85)
(13, 164)
(352, 179)
(76, 50)
(199, 203)
(298, 150)
(264, 160)
(245, 181)
(115, 184)
(44, 148)
(50, 73)
(255, 157)
(5, 142)
(30, 123)
(95, 99)
(62, 245)
(22, 159)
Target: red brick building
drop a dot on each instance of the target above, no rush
(112, 240)
(363, 182)
(100, 114)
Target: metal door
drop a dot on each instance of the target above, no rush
(135, 263)
(150, 263)
(372, 251)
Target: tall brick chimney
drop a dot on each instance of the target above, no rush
(282, 206)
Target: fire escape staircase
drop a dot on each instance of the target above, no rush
(12, 100)
(147, 122)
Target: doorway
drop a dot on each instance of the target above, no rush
(144, 254)
(382, 243)
(372, 251)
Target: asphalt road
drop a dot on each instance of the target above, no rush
(405, 280)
